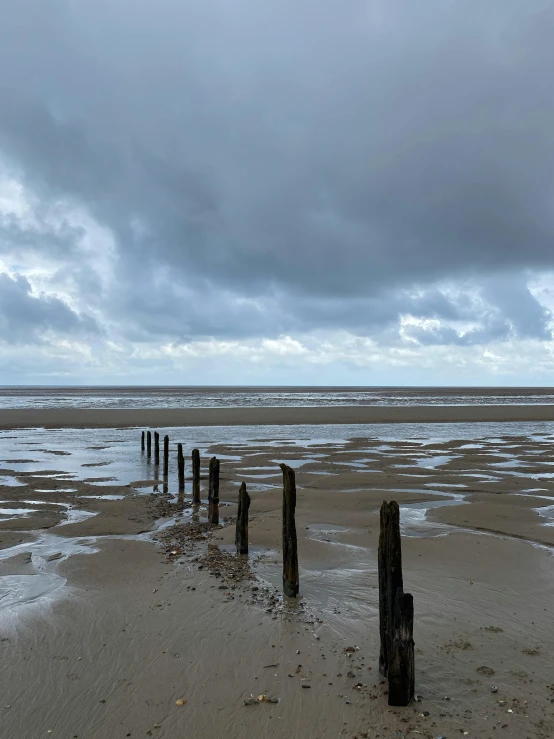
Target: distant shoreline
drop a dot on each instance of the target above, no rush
(269, 416)
(261, 389)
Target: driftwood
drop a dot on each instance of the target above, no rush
(196, 476)
(148, 443)
(181, 467)
(290, 553)
(213, 492)
(142, 442)
(401, 658)
(241, 535)
(166, 455)
(156, 449)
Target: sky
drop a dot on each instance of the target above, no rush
(280, 192)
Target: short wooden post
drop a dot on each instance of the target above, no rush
(390, 578)
(401, 663)
(166, 455)
(156, 448)
(213, 492)
(241, 535)
(148, 444)
(196, 476)
(181, 467)
(142, 442)
(290, 554)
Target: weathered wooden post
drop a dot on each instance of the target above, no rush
(148, 444)
(390, 578)
(396, 611)
(166, 455)
(142, 442)
(156, 449)
(213, 492)
(290, 554)
(196, 476)
(401, 663)
(181, 467)
(241, 535)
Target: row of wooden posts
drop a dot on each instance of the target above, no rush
(396, 608)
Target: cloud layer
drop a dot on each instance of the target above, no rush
(284, 184)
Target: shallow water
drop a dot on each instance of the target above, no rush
(413, 517)
(437, 461)
(222, 397)
(11, 482)
(88, 449)
(17, 590)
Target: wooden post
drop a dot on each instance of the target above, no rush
(401, 663)
(181, 467)
(213, 492)
(290, 553)
(390, 578)
(156, 449)
(142, 442)
(148, 444)
(196, 476)
(166, 455)
(241, 535)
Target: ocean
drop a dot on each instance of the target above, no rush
(249, 397)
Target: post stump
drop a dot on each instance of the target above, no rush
(290, 554)
(196, 476)
(213, 492)
(241, 535)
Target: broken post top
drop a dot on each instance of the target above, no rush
(244, 499)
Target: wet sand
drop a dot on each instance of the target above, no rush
(136, 628)
(267, 416)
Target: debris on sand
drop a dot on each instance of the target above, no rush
(484, 670)
(260, 699)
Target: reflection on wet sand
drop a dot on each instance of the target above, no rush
(469, 505)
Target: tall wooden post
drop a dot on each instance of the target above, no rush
(149, 444)
(401, 664)
(156, 448)
(142, 442)
(166, 455)
(390, 578)
(181, 467)
(196, 476)
(241, 535)
(290, 554)
(213, 492)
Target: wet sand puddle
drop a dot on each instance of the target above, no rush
(316, 453)
(18, 590)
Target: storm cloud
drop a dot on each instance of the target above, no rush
(194, 172)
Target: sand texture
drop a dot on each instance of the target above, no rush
(165, 417)
(137, 604)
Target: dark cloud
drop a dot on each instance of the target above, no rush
(270, 167)
(26, 318)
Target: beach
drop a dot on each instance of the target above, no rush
(122, 624)
(264, 416)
